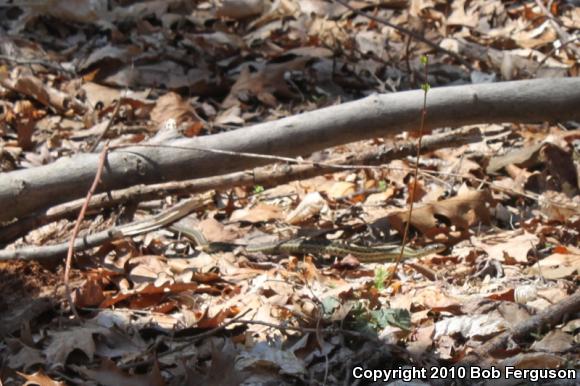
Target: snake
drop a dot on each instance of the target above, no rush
(365, 254)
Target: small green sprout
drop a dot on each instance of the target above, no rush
(380, 277)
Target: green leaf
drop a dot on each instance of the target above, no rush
(397, 317)
(380, 277)
(425, 87)
(258, 189)
(330, 304)
(424, 60)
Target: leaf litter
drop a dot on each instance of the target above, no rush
(160, 311)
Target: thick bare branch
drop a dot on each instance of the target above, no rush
(25, 191)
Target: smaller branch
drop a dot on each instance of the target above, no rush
(135, 228)
(564, 36)
(114, 115)
(553, 51)
(545, 320)
(108, 127)
(75, 232)
(29, 62)
(332, 331)
(267, 176)
(194, 338)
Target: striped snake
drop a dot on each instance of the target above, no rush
(376, 254)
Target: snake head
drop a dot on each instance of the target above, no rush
(434, 248)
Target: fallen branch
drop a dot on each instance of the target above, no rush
(265, 176)
(541, 322)
(26, 191)
(31, 62)
(85, 242)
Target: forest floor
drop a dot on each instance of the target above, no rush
(157, 310)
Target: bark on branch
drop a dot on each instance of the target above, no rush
(266, 176)
(25, 191)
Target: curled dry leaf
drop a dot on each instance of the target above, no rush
(463, 211)
(525, 293)
(39, 378)
(173, 106)
(310, 206)
(340, 189)
(469, 326)
(89, 294)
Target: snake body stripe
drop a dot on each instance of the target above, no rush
(376, 254)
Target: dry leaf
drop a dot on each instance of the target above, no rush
(555, 342)
(62, 343)
(108, 374)
(309, 207)
(265, 356)
(535, 361)
(264, 84)
(463, 211)
(259, 213)
(340, 189)
(241, 9)
(89, 294)
(172, 106)
(40, 379)
(22, 356)
(515, 247)
(556, 266)
(470, 326)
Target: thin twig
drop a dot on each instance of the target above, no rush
(564, 36)
(109, 124)
(266, 176)
(194, 338)
(29, 62)
(538, 323)
(553, 51)
(71, 246)
(132, 229)
(409, 32)
(263, 176)
(283, 327)
(416, 175)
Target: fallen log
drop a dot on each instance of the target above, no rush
(25, 191)
(266, 176)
